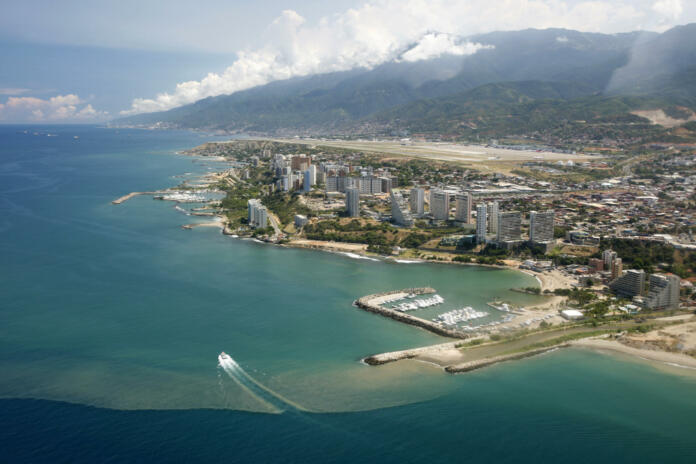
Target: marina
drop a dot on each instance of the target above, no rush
(456, 316)
(419, 304)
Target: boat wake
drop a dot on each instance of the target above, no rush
(263, 394)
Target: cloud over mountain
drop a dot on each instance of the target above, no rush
(66, 108)
(407, 30)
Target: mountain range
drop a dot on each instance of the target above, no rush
(522, 82)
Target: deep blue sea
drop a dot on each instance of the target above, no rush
(112, 317)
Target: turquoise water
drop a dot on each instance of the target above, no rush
(112, 317)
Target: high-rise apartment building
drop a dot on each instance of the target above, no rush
(417, 201)
(663, 291)
(464, 205)
(509, 226)
(630, 284)
(481, 223)
(493, 210)
(400, 210)
(541, 226)
(439, 205)
(353, 202)
(258, 215)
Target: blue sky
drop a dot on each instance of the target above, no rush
(77, 60)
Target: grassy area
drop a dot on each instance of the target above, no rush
(562, 339)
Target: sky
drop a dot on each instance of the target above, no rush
(90, 61)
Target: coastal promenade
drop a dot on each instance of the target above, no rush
(372, 304)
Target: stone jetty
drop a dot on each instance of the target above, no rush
(485, 362)
(372, 304)
(124, 198)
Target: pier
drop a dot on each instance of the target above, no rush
(125, 198)
(372, 304)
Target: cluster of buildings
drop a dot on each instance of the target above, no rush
(294, 172)
(662, 289)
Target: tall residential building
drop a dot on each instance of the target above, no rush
(400, 213)
(300, 162)
(616, 268)
(509, 226)
(386, 184)
(630, 284)
(258, 215)
(464, 205)
(366, 184)
(541, 226)
(439, 205)
(417, 201)
(481, 223)
(608, 256)
(312, 174)
(287, 182)
(493, 210)
(663, 291)
(353, 202)
(307, 181)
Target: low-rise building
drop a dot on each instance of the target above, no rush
(300, 221)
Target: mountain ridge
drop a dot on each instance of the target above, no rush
(556, 65)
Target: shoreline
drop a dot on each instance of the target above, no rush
(664, 357)
(614, 337)
(450, 356)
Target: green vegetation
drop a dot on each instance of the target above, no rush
(532, 108)
(651, 256)
(562, 339)
(381, 237)
(235, 203)
(285, 206)
(414, 240)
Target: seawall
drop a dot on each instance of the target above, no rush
(485, 362)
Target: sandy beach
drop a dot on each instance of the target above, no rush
(652, 355)
(329, 246)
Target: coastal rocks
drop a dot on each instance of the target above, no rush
(480, 363)
(385, 358)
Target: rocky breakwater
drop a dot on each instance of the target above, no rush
(372, 304)
(485, 362)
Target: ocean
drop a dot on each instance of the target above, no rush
(112, 318)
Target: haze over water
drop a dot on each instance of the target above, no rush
(117, 308)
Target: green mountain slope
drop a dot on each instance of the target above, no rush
(527, 82)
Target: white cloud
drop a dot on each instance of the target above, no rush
(562, 39)
(384, 30)
(435, 45)
(670, 9)
(68, 107)
(12, 91)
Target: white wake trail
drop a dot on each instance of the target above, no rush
(259, 391)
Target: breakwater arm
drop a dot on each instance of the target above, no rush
(124, 198)
(485, 362)
(372, 304)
